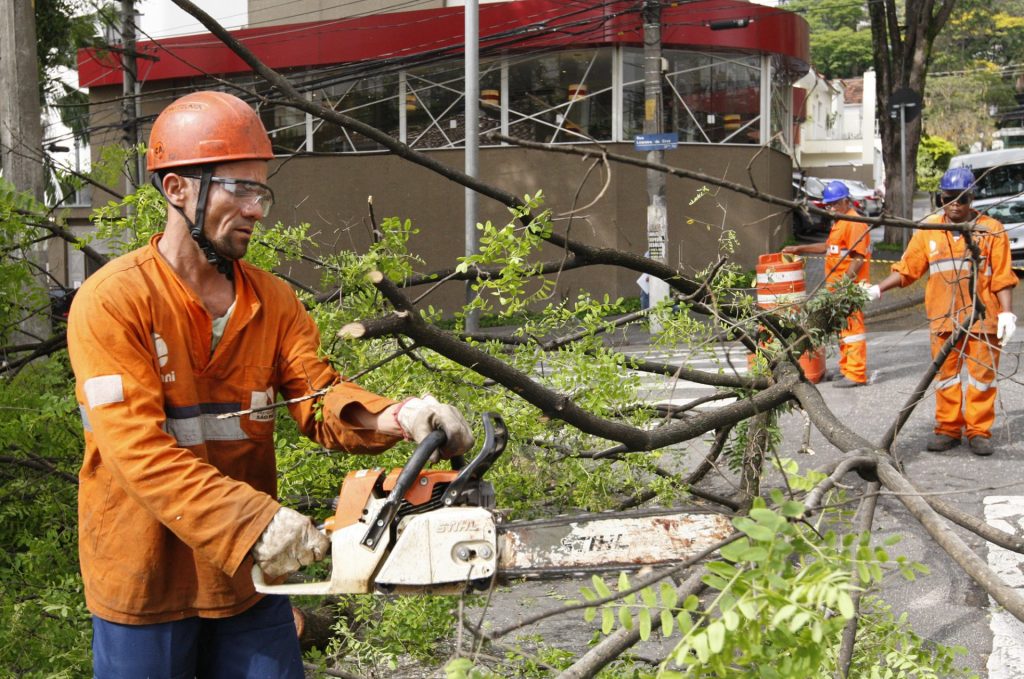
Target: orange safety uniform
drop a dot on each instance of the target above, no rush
(172, 498)
(845, 239)
(947, 298)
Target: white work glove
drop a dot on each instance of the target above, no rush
(873, 291)
(289, 542)
(1006, 325)
(419, 416)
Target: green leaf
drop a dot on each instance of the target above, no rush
(623, 581)
(701, 646)
(644, 618)
(716, 637)
(667, 623)
(731, 619)
(783, 614)
(846, 607)
(734, 550)
(625, 617)
(607, 620)
(799, 620)
(792, 509)
(669, 596)
(755, 530)
(589, 614)
(755, 554)
(600, 587)
(649, 598)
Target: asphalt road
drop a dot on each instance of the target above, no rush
(944, 606)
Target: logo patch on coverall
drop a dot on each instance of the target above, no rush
(260, 399)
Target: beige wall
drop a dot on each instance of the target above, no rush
(268, 12)
(331, 193)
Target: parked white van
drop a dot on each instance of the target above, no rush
(998, 173)
(999, 190)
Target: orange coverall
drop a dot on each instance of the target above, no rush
(171, 499)
(947, 299)
(845, 239)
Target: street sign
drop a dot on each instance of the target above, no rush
(656, 142)
(908, 100)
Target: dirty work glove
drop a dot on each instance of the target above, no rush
(1006, 325)
(874, 292)
(289, 542)
(419, 416)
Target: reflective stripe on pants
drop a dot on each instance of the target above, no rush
(853, 349)
(976, 412)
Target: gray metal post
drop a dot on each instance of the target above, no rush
(903, 171)
(472, 93)
(657, 210)
(131, 104)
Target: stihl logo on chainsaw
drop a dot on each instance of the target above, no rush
(595, 543)
(457, 527)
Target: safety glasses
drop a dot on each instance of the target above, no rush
(958, 198)
(245, 191)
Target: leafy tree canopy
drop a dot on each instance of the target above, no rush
(840, 38)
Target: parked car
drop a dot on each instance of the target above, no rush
(1010, 211)
(864, 198)
(60, 306)
(809, 225)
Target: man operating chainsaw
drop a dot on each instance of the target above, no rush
(176, 504)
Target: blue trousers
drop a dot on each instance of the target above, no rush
(260, 643)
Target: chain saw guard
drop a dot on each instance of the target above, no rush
(412, 531)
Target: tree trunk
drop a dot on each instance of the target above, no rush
(902, 48)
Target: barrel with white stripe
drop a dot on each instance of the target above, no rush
(780, 280)
(780, 283)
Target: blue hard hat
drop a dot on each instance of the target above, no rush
(835, 191)
(957, 179)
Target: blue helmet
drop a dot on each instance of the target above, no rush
(835, 191)
(957, 179)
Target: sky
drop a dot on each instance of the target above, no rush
(162, 18)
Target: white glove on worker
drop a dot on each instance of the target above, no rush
(1006, 325)
(289, 542)
(419, 416)
(873, 291)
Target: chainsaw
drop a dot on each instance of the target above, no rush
(412, 531)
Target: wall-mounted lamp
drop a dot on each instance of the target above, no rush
(729, 24)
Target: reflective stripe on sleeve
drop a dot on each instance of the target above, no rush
(859, 337)
(85, 417)
(945, 384)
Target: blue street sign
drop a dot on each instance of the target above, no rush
(656, 142)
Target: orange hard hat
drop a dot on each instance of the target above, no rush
(206, 127)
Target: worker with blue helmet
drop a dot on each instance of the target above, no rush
(847, 255)
(953, 298)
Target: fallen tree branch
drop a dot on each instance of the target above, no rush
(1006, 596)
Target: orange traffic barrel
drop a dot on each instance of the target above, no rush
(780, 280)
(780, 283)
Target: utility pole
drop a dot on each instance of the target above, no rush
(131, 105)
(21, 129)
(472, 125)
(657, 210)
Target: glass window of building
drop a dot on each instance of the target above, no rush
(706, 98)
(372, 100)
(561, 97)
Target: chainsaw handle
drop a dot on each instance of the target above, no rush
(410, 472)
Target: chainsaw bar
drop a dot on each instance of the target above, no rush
(565, 546)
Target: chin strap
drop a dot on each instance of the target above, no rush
(224, 265)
